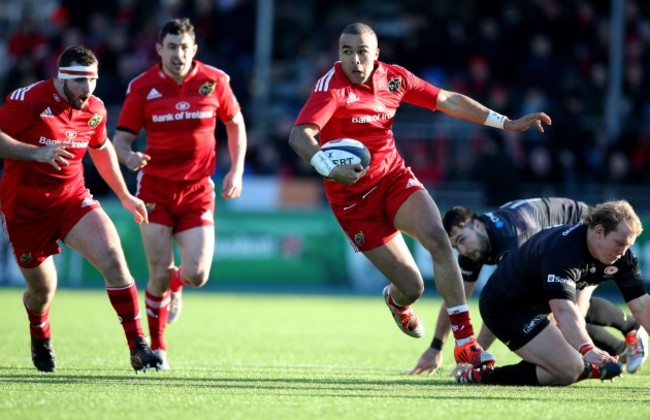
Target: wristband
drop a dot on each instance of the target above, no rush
(586, 348)
(495, 120)
(436, 344)
(322, 163)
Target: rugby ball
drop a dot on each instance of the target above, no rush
(347, 152)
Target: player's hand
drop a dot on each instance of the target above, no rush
(232, 185)
(429, 362)
(347, 174)
(54, 154)
(136, 207)
(530, 120)
(599, 357)
(137, 161)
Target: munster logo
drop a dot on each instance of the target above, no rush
(26, 258)
(150, 207)
(395, 83)
(94, 121)
(207, 88)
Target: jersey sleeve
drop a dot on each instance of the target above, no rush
(630, 280)
(319, 109)
(15, 115)
(132, 114)
(420, 92)
(228, 104)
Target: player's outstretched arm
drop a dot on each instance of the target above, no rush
(465, 108)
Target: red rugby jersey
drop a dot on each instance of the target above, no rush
(37, 115)
(179, 120)
(364, 112)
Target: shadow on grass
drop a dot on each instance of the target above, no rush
(406, 387)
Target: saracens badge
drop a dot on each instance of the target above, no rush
(610, 270)
(207, 88)
(94, 121)
(395, 83)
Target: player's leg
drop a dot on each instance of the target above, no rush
(41, 286)
(158, 247)
(197, 252)
(605, 340)
(548, 359)
(602, 312)
(94, 237)
(395, 262)
(419, 217)
(194, 227)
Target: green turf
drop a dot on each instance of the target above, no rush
(255, 356)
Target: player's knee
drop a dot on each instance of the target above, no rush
(195, 279)
(412, 291)
(436, 242)
(114, 269)
(567, 372)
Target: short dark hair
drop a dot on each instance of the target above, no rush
(76, 54)
(358, 29)
(177, 27)
(457, 216)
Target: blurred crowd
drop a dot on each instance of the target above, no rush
(514, 56)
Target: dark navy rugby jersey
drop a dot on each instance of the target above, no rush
(512, 224)
(555, 262)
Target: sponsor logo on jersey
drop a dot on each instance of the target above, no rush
(56, 97)
(552, 278)
(74, 144)
(47, 113)
(182, 115)
(207, 88)
(154, 94)
(94, 121)
(70, 134)
(26, 258)
(363, 119)
(610, 270)
(494, 219)
(528, 327)
(182, 106)
(395, 83)
(352, 98)
(359, 239)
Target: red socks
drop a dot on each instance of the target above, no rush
(125, 302)
(461, 325)
(39, 324)
(157, 312)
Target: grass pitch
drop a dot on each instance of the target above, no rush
(255, 356)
